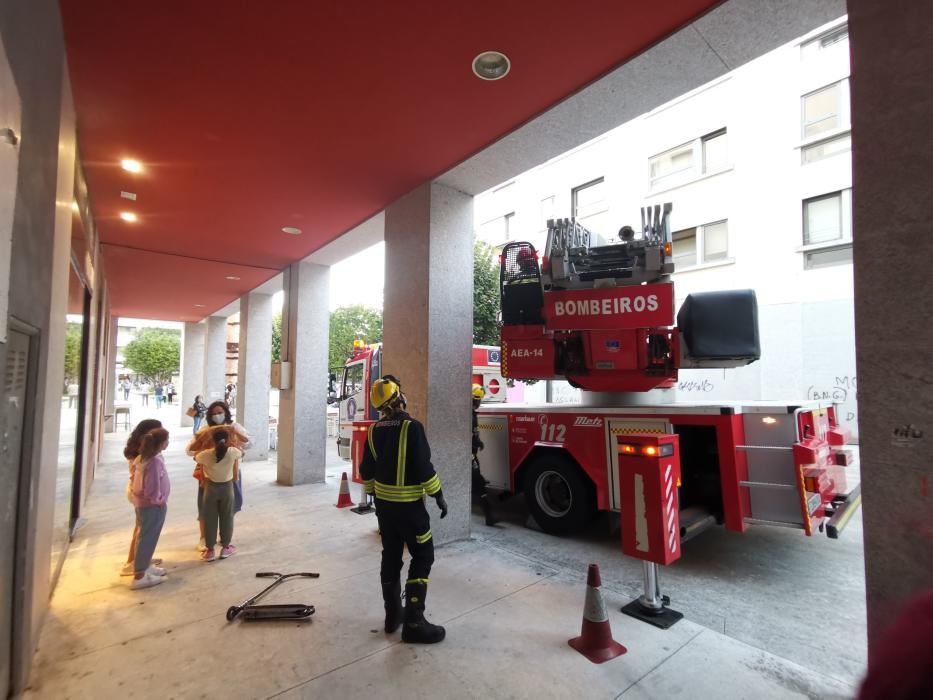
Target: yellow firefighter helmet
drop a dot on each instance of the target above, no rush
(478, 392)
(384, 391)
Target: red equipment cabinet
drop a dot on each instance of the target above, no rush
(649, 479)
(357, 445)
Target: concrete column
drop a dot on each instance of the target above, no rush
(110, 381)
(428, 332)
(252, 398)
(303, 408)
(192, 367)
(892, 109)
(215, 359)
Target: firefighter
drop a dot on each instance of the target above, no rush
(397, 469)
(479, 481)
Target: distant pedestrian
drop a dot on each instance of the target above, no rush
(220, 467)
(126, 389)
(151, 488)
(200, 410)
(72, 394)
(144, 394)
(170, 392)
(159, 394)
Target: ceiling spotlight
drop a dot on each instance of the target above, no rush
(128, 216)
(232, 277)
(131, 166)
(491, 65)
(292, 230)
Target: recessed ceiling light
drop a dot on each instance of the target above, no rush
(491, 65)
(128, 216)
(232, 277)
(199, 306)
(131, 166)
(292, 230)
(129, 195)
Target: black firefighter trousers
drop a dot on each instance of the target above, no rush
(401, 525)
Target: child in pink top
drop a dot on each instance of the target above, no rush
(151, 488)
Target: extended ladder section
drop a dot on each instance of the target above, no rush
(602, 317)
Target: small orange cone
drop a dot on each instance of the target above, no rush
(595, 641)
(343, 500)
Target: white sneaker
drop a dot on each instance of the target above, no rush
(157, 570)
(147, 581)
(202, 547)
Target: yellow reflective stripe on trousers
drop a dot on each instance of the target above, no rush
(421, 539)
(369, 485)
(399, 494)
(432, 485)
(369, 439)
(402, 454)
(417, 580)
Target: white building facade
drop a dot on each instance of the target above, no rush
(758, 168)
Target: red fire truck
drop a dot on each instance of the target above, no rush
(602, 317)
(365, 366)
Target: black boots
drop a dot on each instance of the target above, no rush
(417, 630)
(487, 510)
(392, 596)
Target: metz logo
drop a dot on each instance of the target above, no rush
(584, 422)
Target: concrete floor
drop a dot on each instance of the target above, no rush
(791, 609)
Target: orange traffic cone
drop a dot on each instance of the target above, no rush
(595, 641)
(343, 500)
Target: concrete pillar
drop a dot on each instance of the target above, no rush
(252, 398)
(892, 108)
(428, 332)
(301, 450)
(110, 381)
(192, 368)
(215, 359)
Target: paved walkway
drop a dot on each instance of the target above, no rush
(508, 616)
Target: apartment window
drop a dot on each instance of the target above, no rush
(700, 245)
(826, 149)
(825, 110)
(589, 206)
(827, 218)
(702, 156)
(497, 231)
(547, 211)
(834, 40)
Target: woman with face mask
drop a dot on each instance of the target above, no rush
(218, 418)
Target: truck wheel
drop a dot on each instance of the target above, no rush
(558, 495)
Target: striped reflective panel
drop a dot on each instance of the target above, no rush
(417, 580)
(399, 494)
(421, 539)
(491, 426)
(402, 454)
(369, 485)
(369, 439)
(432, 485)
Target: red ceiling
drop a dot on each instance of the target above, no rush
(316, 114)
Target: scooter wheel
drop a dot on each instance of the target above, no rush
(232, 612)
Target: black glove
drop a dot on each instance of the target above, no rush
(442, 504)
(480, 444)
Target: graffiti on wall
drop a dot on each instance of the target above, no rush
(697, 386)
(843, 390)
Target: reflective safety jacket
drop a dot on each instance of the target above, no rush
(396, 463)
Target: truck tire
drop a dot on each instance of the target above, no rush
(559, 496)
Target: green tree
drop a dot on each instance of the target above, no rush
(154, 354)
(73, 333)
(485, 294)
(350, 323)
(277, 337)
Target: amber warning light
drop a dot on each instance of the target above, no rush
(664, 450)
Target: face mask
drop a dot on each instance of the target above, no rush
(218, 418)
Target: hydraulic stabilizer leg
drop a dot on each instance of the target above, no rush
(652, 606)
